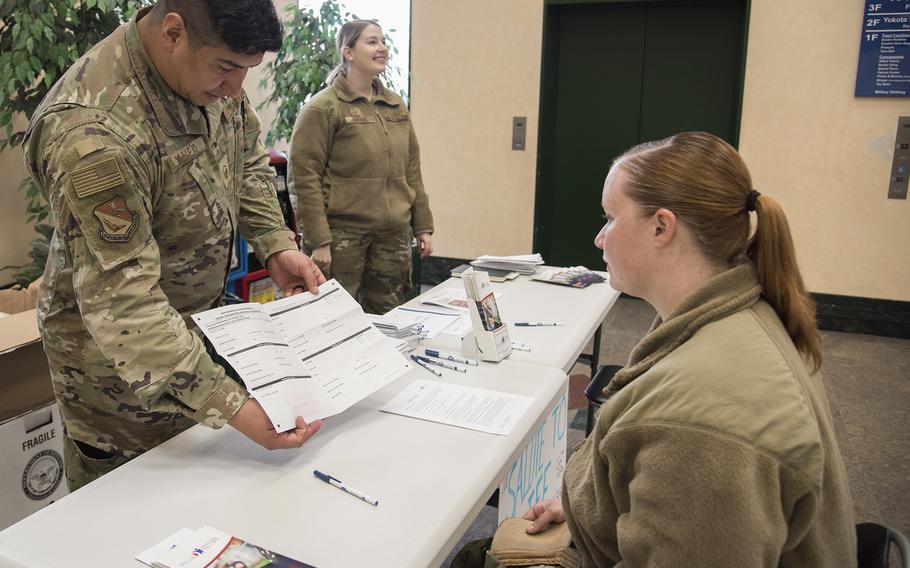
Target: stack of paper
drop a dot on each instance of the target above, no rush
(409, 333)
(521, 263)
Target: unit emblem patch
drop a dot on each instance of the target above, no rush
(118, 223)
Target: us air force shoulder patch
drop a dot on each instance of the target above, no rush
(118, 223)
(97, 177)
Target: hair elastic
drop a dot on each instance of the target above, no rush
(750, 201)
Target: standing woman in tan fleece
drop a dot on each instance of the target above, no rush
(715, 446)
(355, 167)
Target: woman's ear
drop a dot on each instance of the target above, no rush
(664, 225)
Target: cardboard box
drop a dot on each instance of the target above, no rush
(31, 463)
(26, 379)
(15, 299)
(31, 431)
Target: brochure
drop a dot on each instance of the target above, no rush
(489, 339)
(209, 547)
(306, 355)
(575, 276)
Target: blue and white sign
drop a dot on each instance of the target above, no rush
(537, 473)
(884, 51)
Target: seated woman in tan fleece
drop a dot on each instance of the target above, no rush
(715, 447)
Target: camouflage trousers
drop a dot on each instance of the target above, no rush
(83, 466)
(374, 266)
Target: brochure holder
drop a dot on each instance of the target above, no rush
(488, 339)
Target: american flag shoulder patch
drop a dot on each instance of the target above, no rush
(97, 177)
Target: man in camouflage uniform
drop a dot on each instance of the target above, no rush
(147, 150)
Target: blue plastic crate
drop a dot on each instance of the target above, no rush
(239, 263)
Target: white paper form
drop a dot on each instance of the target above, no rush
(453, 299)
(433, 321)
(485, 410)
(275, 376)
(306, 355)
(459, 328)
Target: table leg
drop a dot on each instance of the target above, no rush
(595, 352)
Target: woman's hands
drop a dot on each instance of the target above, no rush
(545, 514)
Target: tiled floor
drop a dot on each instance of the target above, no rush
(868, 384)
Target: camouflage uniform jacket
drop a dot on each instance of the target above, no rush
(146, 191)
(355, 164)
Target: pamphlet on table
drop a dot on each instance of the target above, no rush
(209, 547)
(310, 355)
(489, 338)
(575, 276)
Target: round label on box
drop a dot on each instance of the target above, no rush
(42, 474)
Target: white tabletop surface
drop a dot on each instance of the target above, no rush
(579, 310)
(431, 480)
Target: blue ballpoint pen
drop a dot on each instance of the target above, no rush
(425, 366)
(335, 482)
(534, 324)
(442, 364)
(450, 357)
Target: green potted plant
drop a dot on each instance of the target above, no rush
(39, 40)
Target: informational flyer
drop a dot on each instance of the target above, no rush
(310, 355)
(485, 410)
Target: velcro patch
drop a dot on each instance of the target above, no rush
(118, 223)
(97, 177)
(87, 146)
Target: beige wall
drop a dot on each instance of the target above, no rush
(475, 65)
(821, 152)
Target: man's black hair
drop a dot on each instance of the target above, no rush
(243, 26)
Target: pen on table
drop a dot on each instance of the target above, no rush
(534, 324)
(425, 366)
(442, 364)
(335, 482)
(450, 357)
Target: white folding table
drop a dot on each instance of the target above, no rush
(431, 480)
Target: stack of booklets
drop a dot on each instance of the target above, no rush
(521, 263)
(408, 332)
(575, 276)
(496, 274)
(209, 547)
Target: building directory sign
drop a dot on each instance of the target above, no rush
(884, 52)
